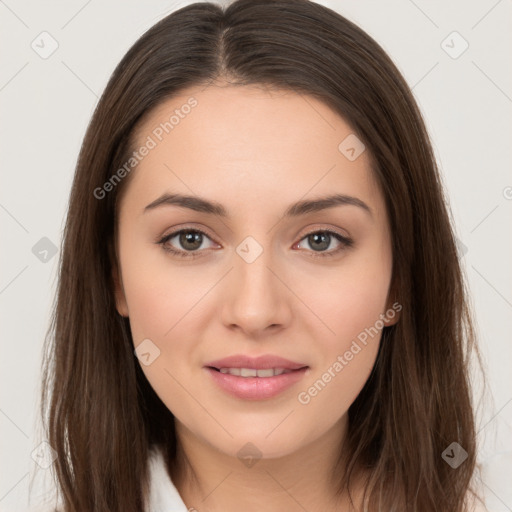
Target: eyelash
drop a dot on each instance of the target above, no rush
(345, 243)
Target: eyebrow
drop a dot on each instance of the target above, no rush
(199, 204)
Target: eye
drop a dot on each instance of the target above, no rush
(320, 240)
(190, 239)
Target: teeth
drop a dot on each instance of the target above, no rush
(252, 372)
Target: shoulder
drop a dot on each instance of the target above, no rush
(163, 495)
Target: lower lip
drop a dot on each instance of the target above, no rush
(255, 388)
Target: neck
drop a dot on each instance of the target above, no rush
(209, 480)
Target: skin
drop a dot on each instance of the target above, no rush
(255, 151)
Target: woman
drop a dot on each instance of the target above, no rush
(260, 301)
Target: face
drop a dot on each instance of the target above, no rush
(255, 276)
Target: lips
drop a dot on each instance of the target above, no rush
(255, 378)
(264, 362)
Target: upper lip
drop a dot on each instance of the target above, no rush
(258, 363)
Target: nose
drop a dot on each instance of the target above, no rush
(256, 299)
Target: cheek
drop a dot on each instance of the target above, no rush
(329, 391)
(347, 300)
(172, 305)
(164, 307)
(347, 357)
(150, 308)
(351, 306)
(160, 295)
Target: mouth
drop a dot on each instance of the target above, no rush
(255, 383)
(254, 372)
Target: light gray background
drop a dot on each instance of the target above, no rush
(47, 103)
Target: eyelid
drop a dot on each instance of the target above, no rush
(345, 240)
(318, 229)
(178, 230)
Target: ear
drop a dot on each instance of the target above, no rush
(120, 298)
(392, 314)
(394, 306)
(121, 305)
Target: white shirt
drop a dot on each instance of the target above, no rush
(163, 495)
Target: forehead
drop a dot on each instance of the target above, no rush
(252, 139)
(239, 121)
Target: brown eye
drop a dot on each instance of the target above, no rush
(190, 240)
(187, 244)
(321, 240)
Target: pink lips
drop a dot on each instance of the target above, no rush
(259, 363)
(255, 388)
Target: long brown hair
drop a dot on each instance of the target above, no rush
(103, 416)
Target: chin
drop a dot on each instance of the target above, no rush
(249, 448)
